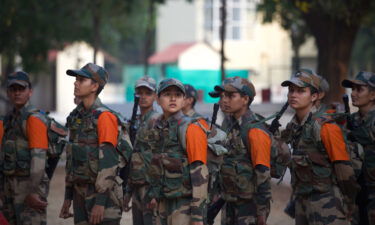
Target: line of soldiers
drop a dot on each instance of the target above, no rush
(180, 165)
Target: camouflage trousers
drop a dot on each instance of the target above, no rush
(15, 210)
(174, 212)
(243, 212)
(141, 215)
(84, 196)
(321, 209)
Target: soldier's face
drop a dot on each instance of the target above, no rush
(171, 100)
(19, 95)
(146, 97)
(300, 98)
(83, 87)
(233, 102)
(188, 103)
(223, 104)
(362, 96)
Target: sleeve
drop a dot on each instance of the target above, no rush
(333, 141)
(260, 151)
(108, 162)
(107, 128)
(196, 144)
(36, 132)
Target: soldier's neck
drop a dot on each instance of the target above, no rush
(363, 110)
(89, 100)
(240, 112)
(144, 111)
(302, 113)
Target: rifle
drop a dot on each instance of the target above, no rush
(132, 128)
(350, 123)
(214, 115)
(275, 122)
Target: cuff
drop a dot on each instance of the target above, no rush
(101, 199)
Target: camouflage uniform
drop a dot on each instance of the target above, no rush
(23, 168)
(180, 186)
(138, 177)
(245, 187)
(323, 189)
(92, 170)
(363, 132)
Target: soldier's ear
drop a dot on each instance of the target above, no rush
(372, 94)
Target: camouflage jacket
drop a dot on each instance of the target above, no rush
(312, 170)
(87, 162)
(17, 155)
(240, 179)
(19, 160)
(142, 152)
(171, 175)
(364, 133)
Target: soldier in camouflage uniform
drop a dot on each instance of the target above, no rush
(145, 88)
(178, 170)
(245, 173)
(190, 101)
(323, 179)
(24, 151)
(92, 166)
(363, 132)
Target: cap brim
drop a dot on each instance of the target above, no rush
(214, 94)
(183, 90)
(298, 83)
(75, 73)
(18, 82)
(145, 85)
(350, 83)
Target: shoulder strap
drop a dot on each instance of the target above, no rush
(183, 125)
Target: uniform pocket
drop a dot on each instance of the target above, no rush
(302, 168)
(173, 174)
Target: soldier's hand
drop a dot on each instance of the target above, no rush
(126, 203)
(34, 201)
(64, 212)
(97, 214)
(261, 220)
(153, 204)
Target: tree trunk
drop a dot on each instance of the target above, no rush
(148, 35)
(223, 18)
(96, 26)
(334, 39)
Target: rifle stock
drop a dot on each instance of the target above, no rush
(214, 114)
(132, 128)
(275, 122)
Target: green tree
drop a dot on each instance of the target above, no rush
(333, 23)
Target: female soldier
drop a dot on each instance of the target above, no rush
(323, 179)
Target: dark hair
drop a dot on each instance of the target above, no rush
(100, 88)
(194, 102)
(313, 90)
(251, 99)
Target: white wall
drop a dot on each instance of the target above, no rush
(176, 22)
(73, 56)
(200, 57)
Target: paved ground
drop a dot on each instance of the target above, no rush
(280, 194)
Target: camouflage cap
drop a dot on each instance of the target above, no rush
(324, 85)
(168, 83)
(304, 78)
(236, 84)
(21, 78)
(92, 71)
(146, 81)
(362, 78)
(190, 91)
